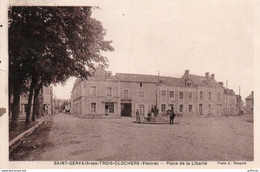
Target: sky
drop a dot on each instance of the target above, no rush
(172, 36)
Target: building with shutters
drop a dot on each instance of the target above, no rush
(122, 94)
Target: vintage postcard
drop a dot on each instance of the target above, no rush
(129, 84)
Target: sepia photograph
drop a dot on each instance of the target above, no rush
(131, 83)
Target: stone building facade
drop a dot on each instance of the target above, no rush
(122, 94)
(249, 107)
(98, 95)
(45, 99)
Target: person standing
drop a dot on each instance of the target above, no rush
(149, 116)
(152, 111)
(172, 116)
(138, 116)
(156, 111)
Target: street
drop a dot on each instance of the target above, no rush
(191, 139)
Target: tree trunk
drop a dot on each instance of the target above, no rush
(38, 107)
(35, 100)
(9, 101)
(28, 110)
(39, 111)
(15, 107)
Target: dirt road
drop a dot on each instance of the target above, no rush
(192, 139)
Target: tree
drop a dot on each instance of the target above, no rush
(50, 44)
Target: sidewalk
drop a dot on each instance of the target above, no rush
(23, 131)
(20, 128)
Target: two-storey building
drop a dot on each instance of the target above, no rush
(209, 99)
(97, 95)
(249, 107)
(122, 94)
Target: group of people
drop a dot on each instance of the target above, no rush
(154, 112)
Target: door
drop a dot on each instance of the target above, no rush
(126, 109)
(141, 109)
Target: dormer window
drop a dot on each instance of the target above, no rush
(188, 83)
(108, 75)
(162, 81)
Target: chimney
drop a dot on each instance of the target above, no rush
(187, 72)
(221, 83)
(207, 74)
(213, 76)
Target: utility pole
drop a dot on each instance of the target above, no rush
(157, 85)
(226, 83)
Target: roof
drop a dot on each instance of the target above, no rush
(202, 80)
(137, 77)
(150, 78)
(251, 96)
(173, 81)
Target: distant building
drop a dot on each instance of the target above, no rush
(122, 94)
(48, 102)
(45, 101)
(233, 104)
(249, 107)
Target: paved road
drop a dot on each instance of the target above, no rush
(193, 139)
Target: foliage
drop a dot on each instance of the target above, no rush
(50, 44)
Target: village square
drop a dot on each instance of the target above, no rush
(136, 84)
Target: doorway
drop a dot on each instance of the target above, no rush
(126, 109)
(141, 109)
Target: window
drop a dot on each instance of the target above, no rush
(181, 95)
(171, 94)
(180, 108)
(171, 106)
(188, 83)
(140, 94)
(200, 109)
(190, 95)
(126, 96)
(93, 107)
(163, 94)
(163, 107)
(93, 74)
(219, 97)
(201, 95)
(190, 108)
(209, 95)
(109, 107)
(92, 91)
(108, 75)
(141, 84)
(109, 91)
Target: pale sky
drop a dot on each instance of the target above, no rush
(170, 37)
